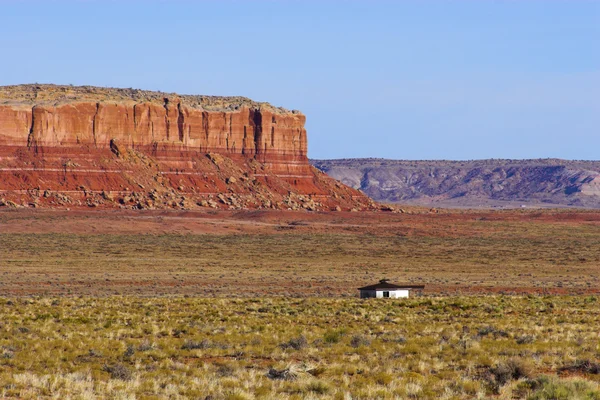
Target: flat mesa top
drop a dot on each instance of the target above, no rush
(48, 94)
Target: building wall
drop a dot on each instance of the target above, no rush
(400, 293)
(365, 294)
(379, 293)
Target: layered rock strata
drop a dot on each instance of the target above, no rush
(81, 142)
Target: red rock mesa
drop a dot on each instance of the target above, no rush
(100, 147)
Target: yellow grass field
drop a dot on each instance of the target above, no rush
(537, 347)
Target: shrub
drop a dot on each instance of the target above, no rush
(118, 371)
(510, 370)
(225, 370)
(584, 366)
(525, 339)
(359, 340)
(192, 345)
(287, 374)
(491, 330)
(8, 354)
(130, 351)
(295, 343)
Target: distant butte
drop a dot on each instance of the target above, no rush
(66, 146)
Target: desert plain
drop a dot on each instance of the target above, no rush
(298, 254)
(263, 304)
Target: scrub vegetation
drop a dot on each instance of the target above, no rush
(533, 347)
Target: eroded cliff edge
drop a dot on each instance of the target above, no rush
(90, 146)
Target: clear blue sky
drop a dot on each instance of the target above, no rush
(395, 79)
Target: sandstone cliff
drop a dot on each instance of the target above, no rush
(487, 183)
(124, 147)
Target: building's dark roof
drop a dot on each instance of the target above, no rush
(384, 284)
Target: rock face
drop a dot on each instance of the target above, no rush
(77, 117)
(80, 142)
(487, 183)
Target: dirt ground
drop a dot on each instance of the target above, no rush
(291, 253)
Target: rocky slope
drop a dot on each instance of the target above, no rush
(487, 183)
(90, 146)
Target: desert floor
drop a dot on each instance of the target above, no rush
(275, 253)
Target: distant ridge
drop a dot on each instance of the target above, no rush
(547, 182)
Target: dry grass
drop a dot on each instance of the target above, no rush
(449, 348)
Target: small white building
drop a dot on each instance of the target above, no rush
(386, 289)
